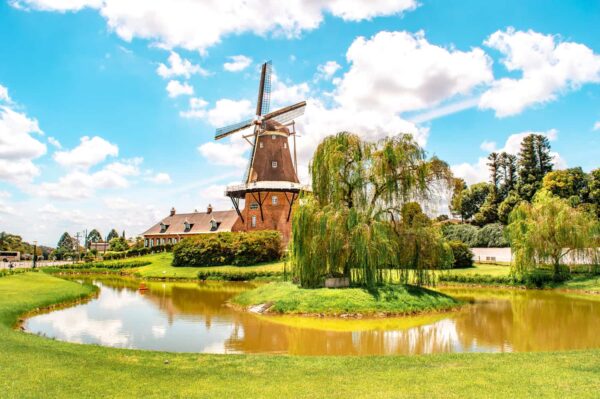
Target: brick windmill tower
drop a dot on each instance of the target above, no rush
(271, 184)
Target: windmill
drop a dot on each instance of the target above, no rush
(270, 174)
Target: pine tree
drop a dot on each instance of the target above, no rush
(93, 236)
(66, 242)
(113, 234)
(534, 162)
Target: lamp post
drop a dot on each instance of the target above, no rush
(34, 254)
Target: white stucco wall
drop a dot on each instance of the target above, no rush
(505, 255)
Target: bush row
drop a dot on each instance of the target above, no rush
(489, 236)
(236, 276)
(463, 256)
(240, 249)
(10, 272)
(137, 252)
(104, 265)
(538, 278)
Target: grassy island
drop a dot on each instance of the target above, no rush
(386, 300)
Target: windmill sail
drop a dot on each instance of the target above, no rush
(236, 127)
(264, 90)
(287, 114)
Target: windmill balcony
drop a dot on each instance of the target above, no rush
(239, 190)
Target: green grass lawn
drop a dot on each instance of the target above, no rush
(35, 367)
(392, 299)
(483, 269)
(161, 267)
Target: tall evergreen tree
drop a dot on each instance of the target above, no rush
(113, 234)
(508, 173)
(93, 236)
(534, 162)
(65, 242)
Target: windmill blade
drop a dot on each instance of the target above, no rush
(287, 114)
(236, 127)
(263, 103)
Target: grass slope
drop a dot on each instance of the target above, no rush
(392, 299)
(34, 367)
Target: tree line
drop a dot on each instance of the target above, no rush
(516, 178)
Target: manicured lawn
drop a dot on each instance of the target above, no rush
(161, 267)
(34, 367)
(584, 283)
(483, 269)
(392, 299)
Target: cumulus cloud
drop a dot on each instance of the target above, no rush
(233, 152)
(479, 171)
(175, 89)
(548, 67)
(197, 25)
(197, 108)
(238, 63)
(228, 111)
(328, 69)
(54, 142)
(160, 178)
(89, 152)
(18, 146)
(415, 75)
(597, 125)
(4, 94)
(179, 67)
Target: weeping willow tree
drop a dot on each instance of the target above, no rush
(352, 224)
(547, 230)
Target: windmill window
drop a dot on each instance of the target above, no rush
(254, 205)
(272, 137)
(284, 145)
(261, 145)
(274, 164)
(253, 221)
(274, 200)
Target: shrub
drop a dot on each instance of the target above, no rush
(461, 232)
(463, 256)
(236, 276)
(491, 236)
(239, 249)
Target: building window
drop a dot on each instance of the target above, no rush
(253, 221)
(253, 206)
(284, 145)
(274, 164)
(274, 200)
(164, 241)
(170, 241)
(174, 240)
(151, 242)
(260, 144)
(272, 137)
(146, 243)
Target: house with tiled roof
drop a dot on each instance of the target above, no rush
(178, 226)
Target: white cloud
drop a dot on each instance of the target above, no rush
(597, 125)
(197, 25)
(446, 109)
(89, 152)
(197, 108)
(548, 67)
(18, 148)
(54, 142)
(228, 111)
(327, 70)
(283, 94)
(214, 195)
(160, 178)
(4, 94)
(400, 72)
(179, 67)
(479, 171)
(175, 89)
(229, 153)
(238, 63)
(489, 146)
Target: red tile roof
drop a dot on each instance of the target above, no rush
(200, 223)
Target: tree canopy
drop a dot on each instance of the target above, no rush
(357, 222)
(112, 234)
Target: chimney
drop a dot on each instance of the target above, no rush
(209, 209)
(172, 211)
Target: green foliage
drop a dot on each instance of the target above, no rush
(473, 198)
(570, 184)
(548, 229)
(93, 236)
(462, 254)
(352, 223)
(66, 243)
(507, 205)
(491, 236)
(112, 234)
(465, 233)
(118, 244)
(534, 162)
(228, 249)
(240, 275)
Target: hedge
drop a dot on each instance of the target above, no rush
(463, 256)
(240, 249)
(236, 276)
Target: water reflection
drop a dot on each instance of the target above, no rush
(190, 317)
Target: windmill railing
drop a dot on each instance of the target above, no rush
(239, 190)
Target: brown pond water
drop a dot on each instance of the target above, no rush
(192, 317)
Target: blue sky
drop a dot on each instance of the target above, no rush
(90, 135)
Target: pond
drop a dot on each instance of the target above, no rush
(193, 317)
